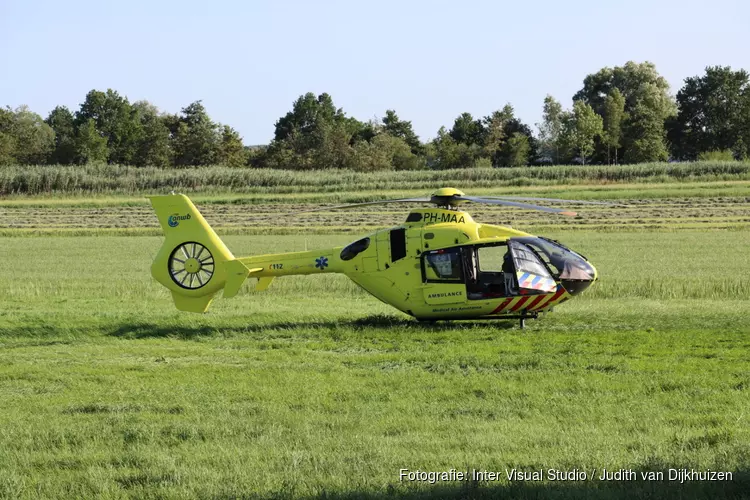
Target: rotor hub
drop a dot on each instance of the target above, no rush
(192, 265)
(447, 197)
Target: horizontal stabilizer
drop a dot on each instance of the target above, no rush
(237, 273)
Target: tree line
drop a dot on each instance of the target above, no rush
(624, 114)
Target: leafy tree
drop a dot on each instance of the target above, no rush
(7, 148)
(153, 148)
(231, 150)
(314, 134)
(714, 114)
(550, 130)
(581, 127)
(307, 113)
(383, 151)
(91, 147)
(62, 122)
(633, 80)
(34, 139)
(494, 137)
(256, 156)
(366, 131)
(334, 151)
(143, 107)
(467, 130)
(614, 114)
(196, 139)
(115, 120)
(451, 154)
(402, 129)
(281, 155)
(7, 136)
(643, 88)
(399, 152)
(508, 154)
(516, 150)
(647, 132)
(369, 157)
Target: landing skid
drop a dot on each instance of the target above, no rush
(521, 319)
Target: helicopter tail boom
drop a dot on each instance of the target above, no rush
(193, 263)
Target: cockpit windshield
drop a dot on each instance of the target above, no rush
(564, 263)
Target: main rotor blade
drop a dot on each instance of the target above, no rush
(381, 202)
(494, 201)
(556, 200)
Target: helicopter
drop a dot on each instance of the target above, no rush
(439, 264)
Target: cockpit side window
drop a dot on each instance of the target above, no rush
(526, 260)
(563, 262)
(442, 265)
(492, 258)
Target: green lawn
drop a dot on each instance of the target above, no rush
(313, 389)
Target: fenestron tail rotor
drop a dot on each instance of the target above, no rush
(191, 265)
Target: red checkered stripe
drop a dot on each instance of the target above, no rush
(558, 297)
(531, 302)
(513, 304)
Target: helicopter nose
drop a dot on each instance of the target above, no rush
(579, 280)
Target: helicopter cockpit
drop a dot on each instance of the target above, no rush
(570, 268)
(520, 266)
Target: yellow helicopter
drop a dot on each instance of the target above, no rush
(438, 265)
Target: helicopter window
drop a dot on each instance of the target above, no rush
(352, 250)
(442, 265)
(526, 260)
(491, 258)
(563, 262)
(398, 244)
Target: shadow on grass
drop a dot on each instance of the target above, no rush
(376, 322)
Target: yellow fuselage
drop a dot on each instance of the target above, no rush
(389, 264)
(401, 283)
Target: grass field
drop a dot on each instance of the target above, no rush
(314, 389)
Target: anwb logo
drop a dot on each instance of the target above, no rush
(174, 219)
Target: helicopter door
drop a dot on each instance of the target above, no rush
(443, 276)
(531, 274)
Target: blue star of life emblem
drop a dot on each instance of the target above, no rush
(321, 262)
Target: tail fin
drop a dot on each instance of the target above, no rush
(193, 262)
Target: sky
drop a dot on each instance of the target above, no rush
(429, 60)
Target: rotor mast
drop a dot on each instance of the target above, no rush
(447, 198)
